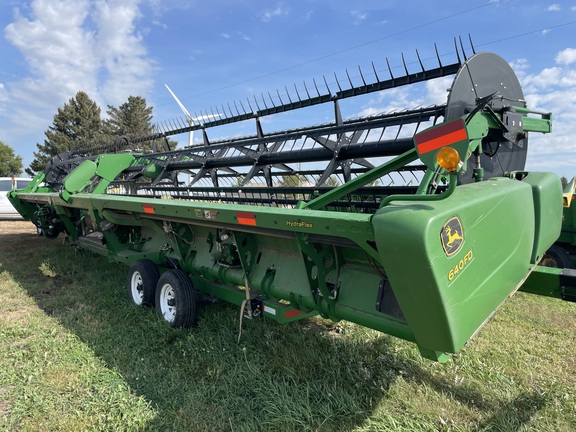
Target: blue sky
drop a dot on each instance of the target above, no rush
(215, 52)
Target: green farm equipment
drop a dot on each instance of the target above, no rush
(417, 223)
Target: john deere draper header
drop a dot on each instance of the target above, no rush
(418, 223)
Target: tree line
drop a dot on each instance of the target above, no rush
(79, 125)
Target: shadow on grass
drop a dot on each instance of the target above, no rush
(514, 415)
(303, 376)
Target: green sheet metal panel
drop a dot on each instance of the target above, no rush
(547, 193)
(451, 263)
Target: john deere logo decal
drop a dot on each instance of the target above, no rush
(452, 236)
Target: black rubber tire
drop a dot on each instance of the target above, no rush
(176, 299)
(147, 272)
(50, 233)
(557, 257)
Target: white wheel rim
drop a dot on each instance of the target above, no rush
(137, 287)
(167, 302)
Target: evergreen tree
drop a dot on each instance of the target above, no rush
(10, 164)
(76, 125)
(133, 120)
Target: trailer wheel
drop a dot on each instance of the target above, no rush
(557, 257)
(50, 233)
(176, 299)
(142, 279)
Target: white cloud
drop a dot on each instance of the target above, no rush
(225, 35)
(554, 8)
(160, 24)
(433, 92)
(566, 57)
(358, 16)
(549, 78)
(3, 93)
(279, 11)
(519, 65)
(437, 90)
(120, 47)
(553, 90)
(67, 46)
(58, 52)
(393, 100)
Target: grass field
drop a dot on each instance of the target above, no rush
(76, 355)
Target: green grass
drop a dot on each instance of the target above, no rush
(76, 355)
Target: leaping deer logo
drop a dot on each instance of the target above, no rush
(452, 236)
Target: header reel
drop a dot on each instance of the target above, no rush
(284, 167)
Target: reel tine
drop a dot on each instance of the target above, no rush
(297, 93)
(390, 69)
(263, 100)
(288, 94)
(242, 105)
(463, 50)
(438, 56)
(306, 88)
(404, 63)
(375, 73)
(279, 98)
(471, 44)
(316, 87)
(337, 82)
(420, 61)
(326, 84)
(349, 80)
(362, 75)
(457, 51)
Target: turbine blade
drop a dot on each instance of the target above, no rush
(182, 107)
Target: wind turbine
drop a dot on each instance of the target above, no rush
(191, 120)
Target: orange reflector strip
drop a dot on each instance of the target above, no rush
(148, 208)
(246, 218)
(441, 136)
(293, 313)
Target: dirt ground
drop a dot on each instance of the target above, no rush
(16, 227)
(16, 235)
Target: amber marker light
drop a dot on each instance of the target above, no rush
(449, 159)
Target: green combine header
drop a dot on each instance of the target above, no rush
(417, 223)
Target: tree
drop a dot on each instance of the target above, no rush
(331, 181)
(10, 164)
(76, 125)
(132, 119)
(293, 180)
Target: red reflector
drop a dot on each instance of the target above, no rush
(441, 136)
(246, 218)
(293, 313)
(148, 208)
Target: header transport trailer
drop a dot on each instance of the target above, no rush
(418, 223)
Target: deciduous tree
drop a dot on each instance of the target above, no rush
(10, 164)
